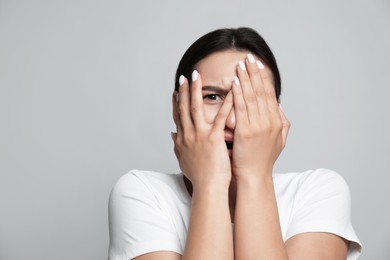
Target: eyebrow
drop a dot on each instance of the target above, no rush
(216, 89)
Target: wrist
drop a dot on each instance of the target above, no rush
(254, 179)
(251, 187)
(216, 192)
(253, 174)
(212, 179)
(218, 184)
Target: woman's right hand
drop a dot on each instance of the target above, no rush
(200, 146)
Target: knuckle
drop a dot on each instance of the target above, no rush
(259, 92)
(279, 126)
(178, 143)
(194, 108)
(254, 71)
(182, 109)
(182, 89)
(266, 128)
(265, 76)
(275, 125)
(270, 92)
(250, 98)
(244, 80)
(187, 140)
(268, 131)
(240, 107)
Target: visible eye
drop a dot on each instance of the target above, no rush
(213, 97)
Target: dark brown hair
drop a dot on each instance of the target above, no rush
(241, 39)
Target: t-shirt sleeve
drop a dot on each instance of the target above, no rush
(323, 204)
(138, 223)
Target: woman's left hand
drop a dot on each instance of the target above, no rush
(261, 127)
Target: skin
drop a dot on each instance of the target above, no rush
(237, 186)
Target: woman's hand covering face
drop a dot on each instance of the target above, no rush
(261, 128)
(200, 146)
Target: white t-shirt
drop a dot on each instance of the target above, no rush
(150, 211)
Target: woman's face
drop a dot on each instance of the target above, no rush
(217, 72)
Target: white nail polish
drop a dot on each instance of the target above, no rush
(194, 75)
(250, 58)
(260, 65)
(181, 80)
(236, 81)
(241, 64)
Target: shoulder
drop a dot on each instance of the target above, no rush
(320, 202)
(137, 180)
(314, 187)
(320, 173)
(141, 217)
(314, 191)
(310, 181)
(325, 184)
(138, 189)
(311, 195)
(160, 191)
(323, 176)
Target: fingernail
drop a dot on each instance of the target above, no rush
(194, 75)
(281, 108)
(181, 80)
(172, 136)
(241, 64)
(250, 58)
(260, 65)
(236, 81)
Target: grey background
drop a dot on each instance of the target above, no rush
(85, 89)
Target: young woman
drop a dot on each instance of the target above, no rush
(227, 203)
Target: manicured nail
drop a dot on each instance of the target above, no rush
(172, 136)
(241, 64)
(260, 65)
(236, 81)
(194, 75)
(181, 80)
(250, 58)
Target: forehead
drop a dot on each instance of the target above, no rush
(220, 68)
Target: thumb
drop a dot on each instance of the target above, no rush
(173, 136)
(286, 125)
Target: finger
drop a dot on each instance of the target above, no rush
(254, 75)
(269, 89)
(184, 106)
(286, 125)
(197, 111)
(247, 90)
(224, 111)
(175, 113)
(257, 84)
(174, 138)
(240, 108)
(175, 97)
